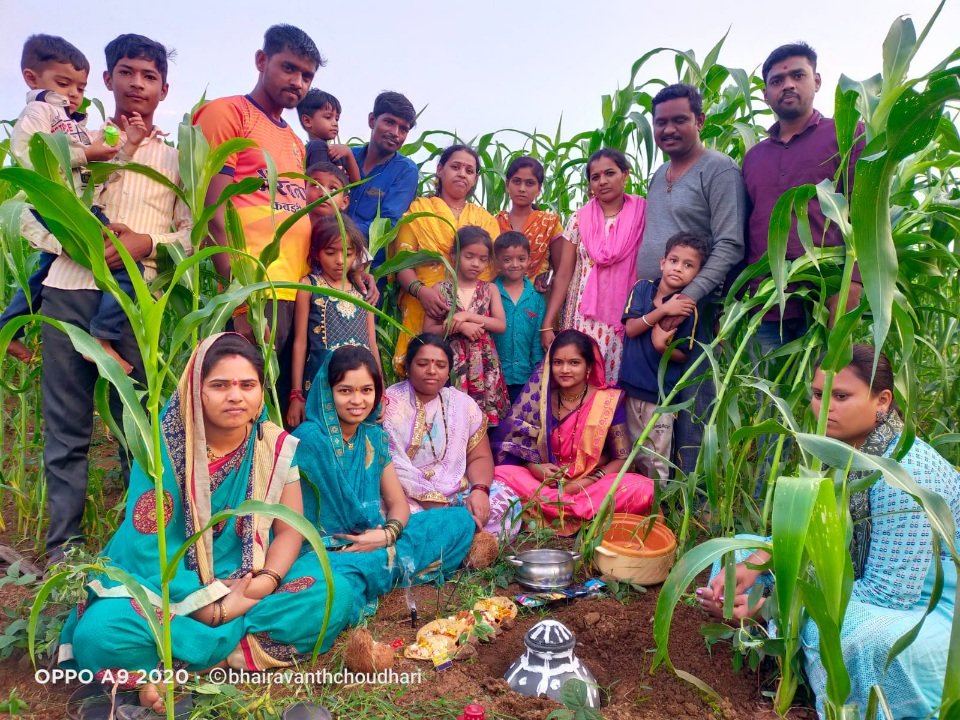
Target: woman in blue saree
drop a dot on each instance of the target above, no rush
(892, 554)
(359, 505)
(243, 595)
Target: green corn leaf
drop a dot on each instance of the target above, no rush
(793, 502)
(834, 205)
(243, 187)
(840, 455)
(50, 157)
(831, 651)
(100, 171)
(683, 573)
(898, 49)
(192, 155)
(56, 580)
(279, 512)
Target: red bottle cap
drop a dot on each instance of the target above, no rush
(473, 712)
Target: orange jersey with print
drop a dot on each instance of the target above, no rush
(240, 117)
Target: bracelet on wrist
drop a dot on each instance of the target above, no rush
(298, 395)
(219, 613)
(395, 528)
(275, 576)
(543, 330)
(645, 321)
(481, 487)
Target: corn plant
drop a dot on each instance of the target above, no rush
(900, 224)
(81, 236)
(892, 223)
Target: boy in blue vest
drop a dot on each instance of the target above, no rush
(645, 343)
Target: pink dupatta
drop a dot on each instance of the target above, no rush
(614, 257)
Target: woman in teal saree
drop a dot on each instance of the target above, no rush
(357, 501)
(243, 595)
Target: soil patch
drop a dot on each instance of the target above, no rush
(614, 640)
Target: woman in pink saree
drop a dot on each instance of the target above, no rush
(565, 439)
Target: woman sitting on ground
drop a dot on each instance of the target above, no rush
(565, 439)
(363, 511)
(242, 595)
(893, 561)
(438, 439)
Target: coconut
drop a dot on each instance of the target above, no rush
(483, 552)
(363, 654)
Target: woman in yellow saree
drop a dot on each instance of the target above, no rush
(447, 211)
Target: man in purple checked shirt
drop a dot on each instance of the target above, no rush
(801, 149)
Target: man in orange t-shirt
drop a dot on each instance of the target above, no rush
(287, 63)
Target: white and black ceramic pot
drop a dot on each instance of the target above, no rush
(548, 663)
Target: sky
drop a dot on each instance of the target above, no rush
(473, 67)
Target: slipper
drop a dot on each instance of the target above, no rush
(306, 711)
(95, 702)
(181, 711)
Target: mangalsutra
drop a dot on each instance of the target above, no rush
(428, 474)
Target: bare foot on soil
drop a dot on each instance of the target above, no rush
(19, 351)
(108, 349)
(151, 696)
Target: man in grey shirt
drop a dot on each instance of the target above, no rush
(698, 191)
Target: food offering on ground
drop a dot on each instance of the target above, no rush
(455, 637)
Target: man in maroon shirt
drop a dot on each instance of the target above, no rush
(801, 149)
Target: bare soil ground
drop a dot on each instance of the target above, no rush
(614, 640)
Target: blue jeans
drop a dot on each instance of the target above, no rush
(774, 334)
(110, 321)
(20, 305)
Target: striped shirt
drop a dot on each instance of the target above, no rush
(142, 204)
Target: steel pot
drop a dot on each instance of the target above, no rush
(544, 569)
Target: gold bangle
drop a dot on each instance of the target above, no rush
(278, 581)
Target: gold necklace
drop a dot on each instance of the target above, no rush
(213, 457)
(564, 399)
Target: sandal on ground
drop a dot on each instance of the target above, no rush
(96, 702)
(306, 711)
(181, 711)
